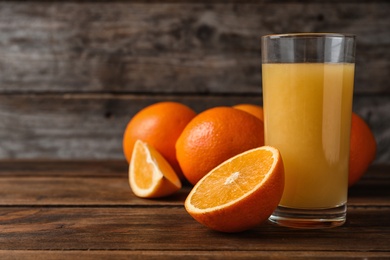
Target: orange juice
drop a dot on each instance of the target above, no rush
(308, 106)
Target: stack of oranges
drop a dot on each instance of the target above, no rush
(167, 143)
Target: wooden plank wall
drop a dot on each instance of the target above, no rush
(72, 73)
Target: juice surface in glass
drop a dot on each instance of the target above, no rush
(308, 106)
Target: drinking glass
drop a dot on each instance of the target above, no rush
(308, 83)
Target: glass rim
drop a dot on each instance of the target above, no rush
(308, 35)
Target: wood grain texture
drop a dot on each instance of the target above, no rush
(91, 126)
(179, 254)
(172, 47)
(173, 229)
(71, 191)
(63, 168)
(50, 229)
(105, 183)
(74, 72)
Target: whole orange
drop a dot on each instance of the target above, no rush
(214, 136)
(159, 125)
(255, 110)
(362, 149)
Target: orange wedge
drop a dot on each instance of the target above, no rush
(240, 193)
(150, 175)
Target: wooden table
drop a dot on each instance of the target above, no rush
(86, 210)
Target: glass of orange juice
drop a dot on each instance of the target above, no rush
(308, 83)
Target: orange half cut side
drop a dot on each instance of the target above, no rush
(240, 193)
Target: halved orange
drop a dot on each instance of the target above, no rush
(150, 175)
(240, 193)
